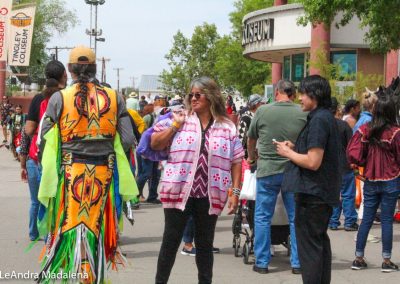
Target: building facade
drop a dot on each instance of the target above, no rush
(273, 35)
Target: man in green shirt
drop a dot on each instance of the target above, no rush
(279, 121)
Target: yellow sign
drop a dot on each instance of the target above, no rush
(21, 20)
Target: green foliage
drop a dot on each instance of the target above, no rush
(370, 81)
(332, 72)
(51, 17)
(189, 58)
(237, 72)
(207, 53)
(381, 16)
(258, 89)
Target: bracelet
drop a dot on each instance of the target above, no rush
(236, 191)
(251, 162)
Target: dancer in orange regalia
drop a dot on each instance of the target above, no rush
(86, 129)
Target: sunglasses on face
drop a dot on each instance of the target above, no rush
(196, 95)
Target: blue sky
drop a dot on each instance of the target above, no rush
(139, 33)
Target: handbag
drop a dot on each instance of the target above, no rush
(248, 191)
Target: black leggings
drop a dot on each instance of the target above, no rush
(175, 221)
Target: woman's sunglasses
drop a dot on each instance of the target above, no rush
(196, 95)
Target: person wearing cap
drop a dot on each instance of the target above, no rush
(160, 104)
(176, 100)
(132, 102)
(281, 120)
(255, 101)
(87, 130)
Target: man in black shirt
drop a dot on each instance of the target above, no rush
(348, 187)
(33, 117)
(315, 176)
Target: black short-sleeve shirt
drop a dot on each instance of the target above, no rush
(321, 131)
(34, 108)
(345, 134)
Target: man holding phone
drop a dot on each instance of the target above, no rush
(280, 121)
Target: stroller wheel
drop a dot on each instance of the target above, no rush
(236, 243)
(246, 253)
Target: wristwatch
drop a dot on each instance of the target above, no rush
(251, 161)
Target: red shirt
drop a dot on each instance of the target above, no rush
(381, 163)
(34, 149)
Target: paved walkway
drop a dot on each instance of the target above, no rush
(141, 243)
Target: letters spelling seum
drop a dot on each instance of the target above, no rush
(272, 35)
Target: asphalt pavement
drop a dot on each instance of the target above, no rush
(141, 243)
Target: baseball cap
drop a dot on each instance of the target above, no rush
(159, 97)
(82, 55)
(254, 99)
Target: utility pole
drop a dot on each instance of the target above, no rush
(133, 82)
(56, 49)
(94, 32)
(103, 68)
(118, 69)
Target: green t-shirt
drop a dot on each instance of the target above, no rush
(281, 121)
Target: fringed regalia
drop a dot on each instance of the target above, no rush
(80, 221)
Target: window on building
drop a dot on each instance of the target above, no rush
(286, 67)
(297, 67)
(347, 60)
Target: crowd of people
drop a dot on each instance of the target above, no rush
(87, 156)
(12, 123)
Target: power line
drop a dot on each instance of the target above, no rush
(103, 68)
(118, 69)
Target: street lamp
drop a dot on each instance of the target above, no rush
(93, 31)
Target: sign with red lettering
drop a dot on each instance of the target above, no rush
(5, 11)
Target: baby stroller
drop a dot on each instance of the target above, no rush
(243, 225)
(280, 230)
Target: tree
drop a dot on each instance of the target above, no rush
(380, 16)
(235, 71)
(189, 58)
(206, 53)
(51, 17)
